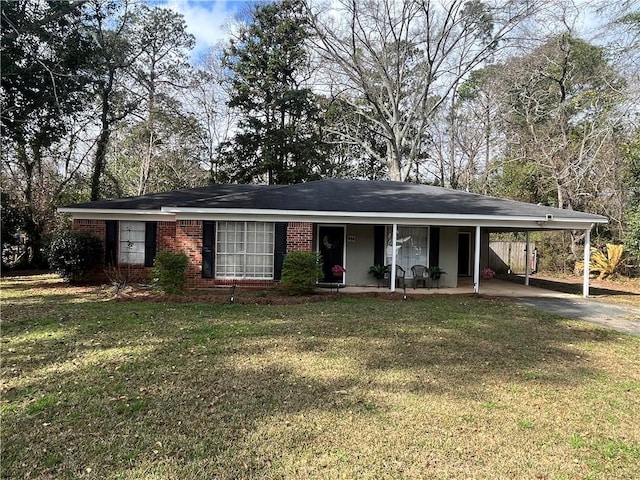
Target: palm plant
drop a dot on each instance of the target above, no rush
(378, 271)
(435, 273)
(607, 264)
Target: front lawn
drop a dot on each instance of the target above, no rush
(434, 387)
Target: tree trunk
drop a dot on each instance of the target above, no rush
(487, 152)
(99, 161)
(393, 159)
(102, 143)
(145, 168)
(147, 160)
(32, 227)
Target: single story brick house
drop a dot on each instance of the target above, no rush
(239, 234)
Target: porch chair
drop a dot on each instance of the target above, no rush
(420, 274)
(400, 273)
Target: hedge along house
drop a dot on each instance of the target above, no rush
(239, 234)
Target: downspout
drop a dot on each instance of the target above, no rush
(526, 259)
(476, 263)
(587, 261)
(392, 275)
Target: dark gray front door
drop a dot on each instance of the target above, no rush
(332, 250)
(464, 254)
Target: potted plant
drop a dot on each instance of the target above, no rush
(435, 273)
(487, 273)
(378, 271)
(338, 271)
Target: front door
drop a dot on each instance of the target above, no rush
(464, 254)
(331, 247)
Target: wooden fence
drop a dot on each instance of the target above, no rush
(505, 256)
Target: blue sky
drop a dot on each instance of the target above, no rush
(206, 19)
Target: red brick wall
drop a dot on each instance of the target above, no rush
(132, 273)
(186, 236)
(99, 229)
(188, 239)
(96, 227)
(166, 237)
(300, 237)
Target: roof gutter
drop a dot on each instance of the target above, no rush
(536, 222)
(546, 222)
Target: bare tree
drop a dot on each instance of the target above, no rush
(562, 109)
(397, 62)
(466, 132)
(207, 99)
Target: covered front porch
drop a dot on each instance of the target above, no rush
(493, 287)
(460, 251)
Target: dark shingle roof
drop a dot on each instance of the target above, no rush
(338, 195)
(174, 198)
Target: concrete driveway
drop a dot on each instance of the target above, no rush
(623, 318)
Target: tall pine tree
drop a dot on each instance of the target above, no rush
(279, 135)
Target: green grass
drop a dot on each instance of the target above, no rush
(436, 387)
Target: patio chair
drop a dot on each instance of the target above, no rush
(420, 274)
(400, 273)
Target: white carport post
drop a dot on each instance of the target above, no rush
(587, 261)
(476, 263)
(392, 274)
(526, 259)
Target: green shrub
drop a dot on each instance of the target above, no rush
(72, 254)
(169, 272)
(300, 272)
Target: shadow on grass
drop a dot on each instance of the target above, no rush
(104, 387)
(23, 289)
(564, 286)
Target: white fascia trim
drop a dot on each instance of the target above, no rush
(117, 214)
(537, 223)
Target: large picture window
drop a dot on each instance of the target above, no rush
(412, 247)
(244, 250)
(132, 236)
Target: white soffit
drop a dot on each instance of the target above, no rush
(528, 222)
(118, 214)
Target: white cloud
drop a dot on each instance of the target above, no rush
(206, 20)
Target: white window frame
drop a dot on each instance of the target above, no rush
(226, 251)
(131, 242)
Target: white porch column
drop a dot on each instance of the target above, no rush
(526, 260)
(587, 261)
(392, 274)
(476, 263)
